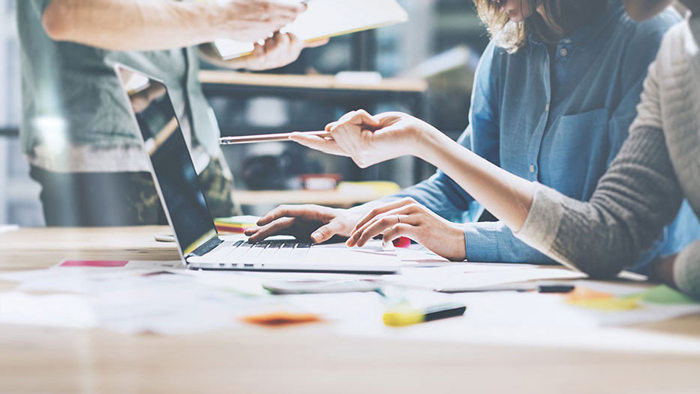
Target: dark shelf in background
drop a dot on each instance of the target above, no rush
(9, 131)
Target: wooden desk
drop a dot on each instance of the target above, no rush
(306, 359)
(35, 248)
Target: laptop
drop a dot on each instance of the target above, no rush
(186, 208)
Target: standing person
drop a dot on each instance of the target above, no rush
(554, 96)
(76, 129)
(658, 165)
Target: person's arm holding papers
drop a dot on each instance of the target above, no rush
(277, 51)
(137, 25)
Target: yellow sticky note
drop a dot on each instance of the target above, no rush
(592, 299)
(608, 304)
(584, 294)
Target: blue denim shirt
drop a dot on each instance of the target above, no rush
(557, 120)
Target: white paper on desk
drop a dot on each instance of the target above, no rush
(646, 313)
(130, 301)
(48, 280)
(57, 271)
(359, 309)
(83, 280)
(328, 18)
(306, 276)
(481, 279)
(229, 281)
(523, 319)
(419, 254)
(453, 279)
(450, 270)
(60, 310)
(6, 228)
(175, 306)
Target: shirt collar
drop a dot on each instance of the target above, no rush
(583, 35)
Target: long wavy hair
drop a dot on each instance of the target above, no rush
(568, 15)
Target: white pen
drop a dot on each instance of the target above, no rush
(249, 139)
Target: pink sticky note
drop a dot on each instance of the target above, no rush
(93, 263)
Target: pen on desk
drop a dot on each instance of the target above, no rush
(555, 287)
(249, 139)
(405, 316)
(540, 287)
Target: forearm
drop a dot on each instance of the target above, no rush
(663, 270)
(634, 200)
(681, 271)
(505, 195)
(686, 270)
(133, 25)
(495, 242)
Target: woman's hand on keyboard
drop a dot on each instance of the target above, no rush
(410, 219)
(304, 222)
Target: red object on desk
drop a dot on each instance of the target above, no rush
(402, 242)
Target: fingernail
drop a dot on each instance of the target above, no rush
(316, 237)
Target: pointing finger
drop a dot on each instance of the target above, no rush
(318, 143)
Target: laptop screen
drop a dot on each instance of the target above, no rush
(174, 172)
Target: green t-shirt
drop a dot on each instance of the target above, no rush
(76, 85)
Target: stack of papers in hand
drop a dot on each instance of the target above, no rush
(328, 18)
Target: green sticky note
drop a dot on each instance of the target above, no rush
(666, 295)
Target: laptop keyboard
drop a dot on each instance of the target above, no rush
(286, 255)
(243, 251)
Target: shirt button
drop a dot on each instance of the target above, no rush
(563, 52)
(532, 168)
(546, 108)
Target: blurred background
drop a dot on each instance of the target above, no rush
(426, 66)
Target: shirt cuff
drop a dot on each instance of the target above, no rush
(479, 246)
(542, 223)
(686, 271)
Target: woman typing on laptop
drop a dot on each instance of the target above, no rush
(554, 96)
(658, 165)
